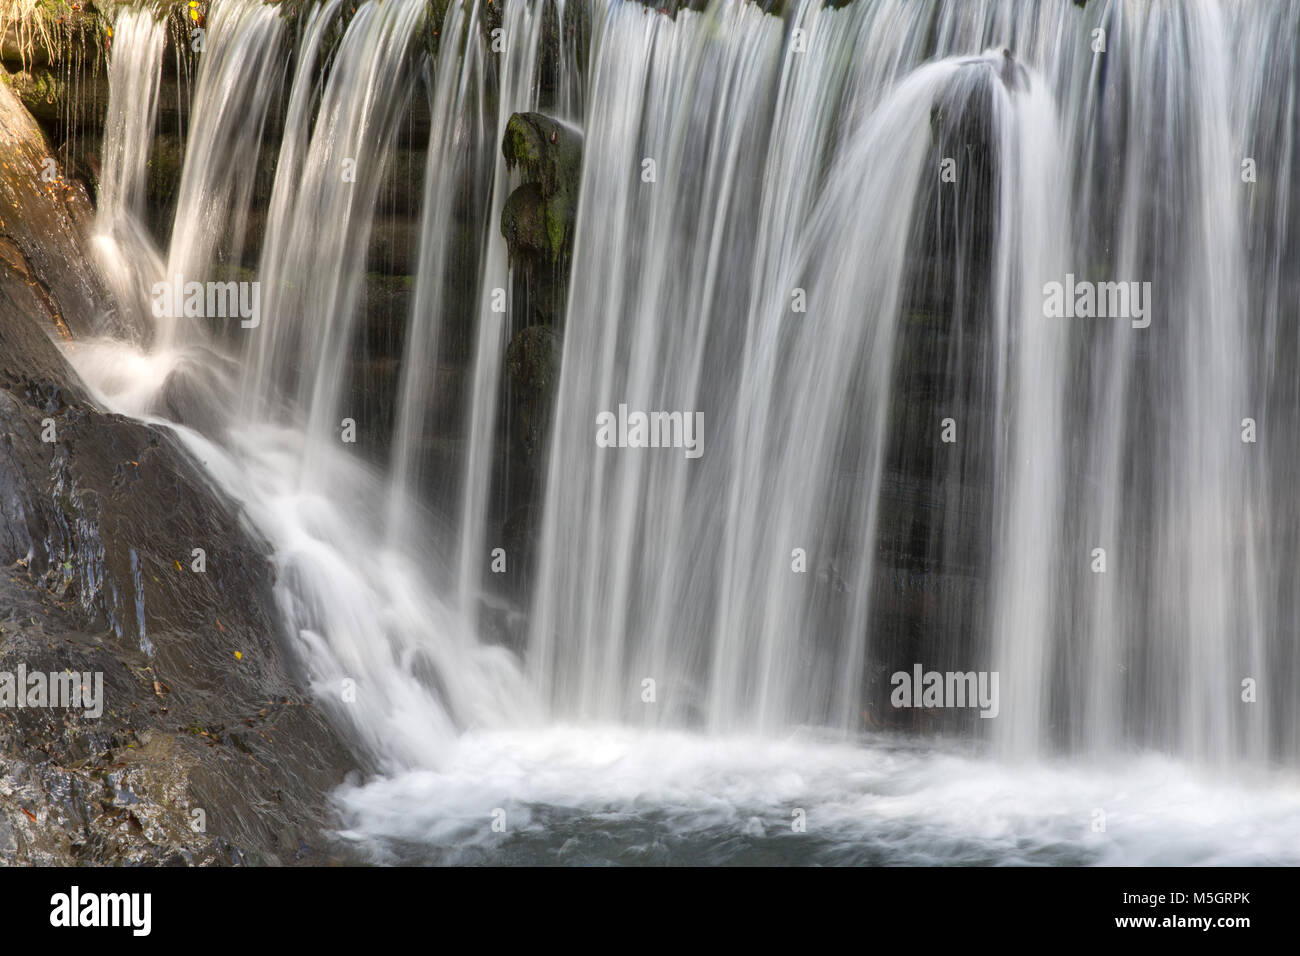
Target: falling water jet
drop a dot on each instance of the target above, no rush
(126, 253)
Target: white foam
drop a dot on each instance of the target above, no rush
(872, 801)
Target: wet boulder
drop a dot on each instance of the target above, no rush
(538, 218)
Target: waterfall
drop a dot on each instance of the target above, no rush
(683, 581)
(686, 573)
(272, 440)
(235, 85)
(313, 262)
(522, 23)
(853, 258)
(126, 254)
(457, 139)
(282, 339)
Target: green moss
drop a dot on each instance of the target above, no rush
(548, 155)
(559, 221)
(521, 147)
(42, 92)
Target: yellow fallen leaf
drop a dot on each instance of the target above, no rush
(238, 656)
(178, 566)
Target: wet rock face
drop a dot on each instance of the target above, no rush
(43, 217)
(178, 768)
(77, 789)
(533, 363)
(118, 559)
(523, 223)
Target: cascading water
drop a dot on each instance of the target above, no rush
(234, 88)
(828, 240)
(464, 150)
(121, 243)
(521, 23)
(344, 591)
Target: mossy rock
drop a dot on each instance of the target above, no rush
(549, 152)
(42, 92)
(538, 218)
(523, 222)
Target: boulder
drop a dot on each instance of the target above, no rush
(538, 218)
